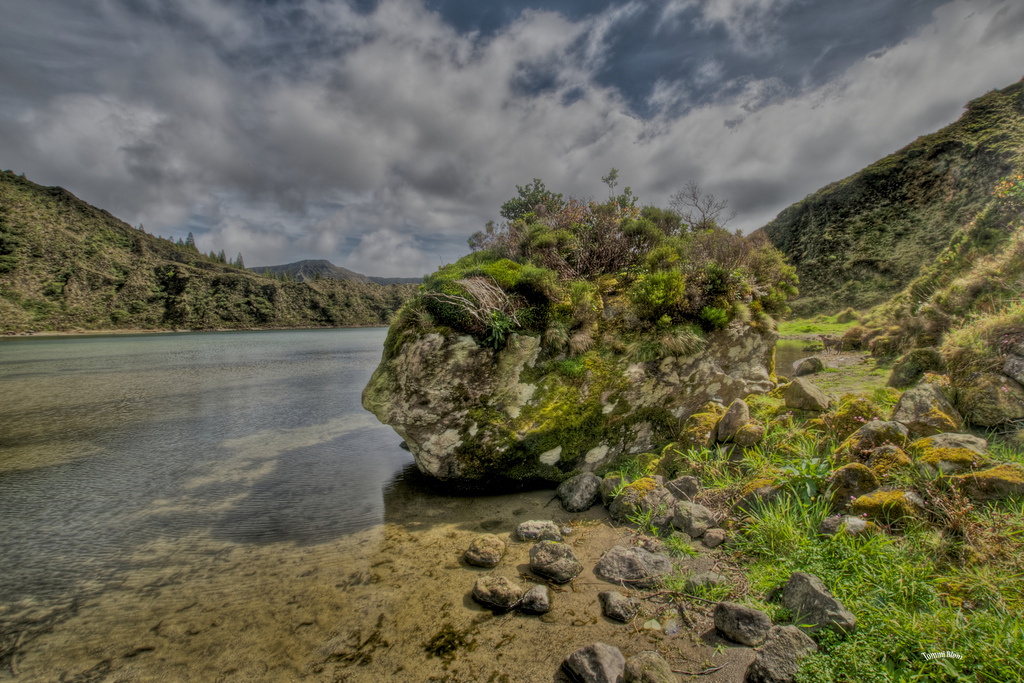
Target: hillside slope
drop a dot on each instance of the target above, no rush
(319, 269)
(858, 241)
(67, 265)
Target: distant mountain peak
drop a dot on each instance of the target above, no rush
(310, 269)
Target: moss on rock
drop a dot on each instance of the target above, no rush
(989, 399)
(699, 430)
(1002, 481)
(885, 461)
(852, 413)
(911, 366)
(888, 507)
(850, 482)
(858, 446)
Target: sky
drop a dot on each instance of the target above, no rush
(380, 134)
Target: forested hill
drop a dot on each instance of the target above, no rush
(319, 269)
(858, 241)
(66, 265)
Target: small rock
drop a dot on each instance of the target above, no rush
(648, 667)
(615, 605)
(886, 460)
(888, 506)
(713, 538)
(807, 366)
(996, 483)
(845, 524)
(744, 625)
(749, 435)
(596, 663)
(778, 660)
(693, 519)
(538, 530)
(404, 446)
(875, 433)
(537, 600)
(813, 606)
(660, 504)
(635, 567)
(611, 482)
(579, 493)
(925, 411)
(703, 581)
(496, 592)
(757, 493)
(485, 551)
(555, 561)
(684, 488)
(734, 419)
(802, 395)
(850, 482)
(1014, 368)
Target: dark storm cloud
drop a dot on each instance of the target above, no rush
(381, 134)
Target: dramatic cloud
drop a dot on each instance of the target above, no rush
(380, 135)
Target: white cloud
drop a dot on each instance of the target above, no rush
(390, 138)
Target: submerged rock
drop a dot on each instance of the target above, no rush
(496, 592)
(537, 600)
(554, 561)
(596, 663)
(647, 667)
(635, 567)
(485, 551)
(538, 530)
(468, 411)
(617, 606)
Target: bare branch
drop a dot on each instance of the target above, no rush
(701, 210)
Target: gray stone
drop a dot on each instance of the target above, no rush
(554, 561)
(807, 366)
(634, 567)
(648, 667)
(537, 600)
(684, 488)
(579, 493)
(734, 419)
(538, 530)
(485, 551)
(660, 504)
(778, 660)
(850, 482)
(625, 505)
(925, 411)
(802, 395)
(496, 592)
(744, 625)
(693, 519)
(970, 442)
(1014, 368)
(703, 581)
(844, 524)
(749, 435)
(813, 606)
(611, 482)
(596, 663)
(713, 538)
(615, 605)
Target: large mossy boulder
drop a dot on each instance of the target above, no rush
(470, 412)
(858, 446)
(1002, 481)
(989, 399)
(924, 410)
(911, 366)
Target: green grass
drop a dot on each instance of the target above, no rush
(822, 324)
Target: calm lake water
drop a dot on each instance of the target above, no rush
(219, 507)
(111, 442)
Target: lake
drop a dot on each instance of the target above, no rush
(219, 507)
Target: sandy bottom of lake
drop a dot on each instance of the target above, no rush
(372, 606)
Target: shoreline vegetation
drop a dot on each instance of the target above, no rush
(130, 331)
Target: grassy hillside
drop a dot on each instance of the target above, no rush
(859, 241)
(319, 269)
(67, 265)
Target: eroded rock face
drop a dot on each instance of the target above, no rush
(470, 412)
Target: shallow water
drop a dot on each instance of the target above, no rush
(220, 507)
